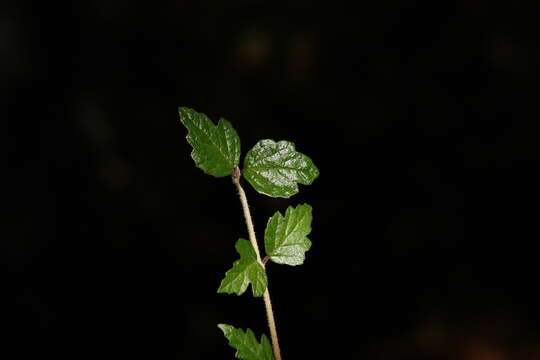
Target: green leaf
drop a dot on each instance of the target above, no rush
(274, 169)
(216, 149)
(246, 345)
(247, 270)
(285, 238)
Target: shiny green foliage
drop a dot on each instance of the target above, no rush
(285, 238)
(247, 270)
(275, 168)
(246, 345)
(216, 149)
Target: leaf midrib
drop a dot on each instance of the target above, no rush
(213, 130)
(287, 234)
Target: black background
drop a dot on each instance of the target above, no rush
(113, 243)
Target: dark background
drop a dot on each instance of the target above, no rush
(113, 244)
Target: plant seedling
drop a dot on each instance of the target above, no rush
(274, 169)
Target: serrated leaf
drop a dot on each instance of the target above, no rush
(275, 168)
(285, 238)
(246, 345)
(247, 270)
(216, 149)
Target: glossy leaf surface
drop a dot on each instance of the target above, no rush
(246, 345)
(216, 149)
(276, 168)
(245, 271)
(285, 237)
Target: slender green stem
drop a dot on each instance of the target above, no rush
(251, 232)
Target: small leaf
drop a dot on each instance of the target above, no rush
(247, 270)
(274, 169)
(216, 149)
(246, 345)
(285, 238)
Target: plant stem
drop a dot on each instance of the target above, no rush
(271, 324)
(251, 232)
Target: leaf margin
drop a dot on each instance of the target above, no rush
(278, 221)
(247, 255)
(263, 185)
(230, 332)
(223, 133)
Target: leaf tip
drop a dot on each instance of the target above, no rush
(183, 113)
(224, 327)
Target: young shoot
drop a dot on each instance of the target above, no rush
(273, 169)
